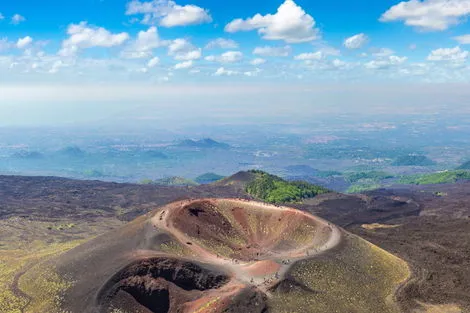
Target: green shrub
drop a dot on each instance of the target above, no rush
(436, 178)
(372, 175)
(274, 189)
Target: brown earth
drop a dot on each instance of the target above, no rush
(433, 235)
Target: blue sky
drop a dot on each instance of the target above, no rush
(163, 41)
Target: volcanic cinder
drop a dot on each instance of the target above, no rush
(228, 255)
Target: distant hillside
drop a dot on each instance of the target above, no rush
(413, 160)
(274, 189)
(465, 166)
(240, 179)
(205, 143)
(436, 178)
(208, 178)
(72, 151)
(29, 155)
(297, 170)
(93, 174)
(372, 175)
(175, 181)
(154, 154)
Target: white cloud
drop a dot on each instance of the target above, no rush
(153, 62)
(290, 23)
(257, 61)
(356, 41)
(184, 65)
(190, 55)
(2, 17)
(385, 63)
(433, 15)
(268, 51)
(82, 36)
(455, 54)
(310, 56)
(179, 45)
(383, 52)
(143, 46)
(167, 13)
(227, 57)
(56, 67)
(16, 19)
(24, 42)
(253, 73)
(221, 71)
(339, 64)
(327, 50)
(222, 43)
(231, 57)
(463, 40)
(4, 44)
(182, 50)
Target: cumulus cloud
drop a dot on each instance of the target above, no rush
(309, 56)
(356, 41)
(56, 66)
(222, 43)
(257, 61)
(431, 15)
(184, 65)
(167, 13)
(227, 57)
(455, 54)
(231, 56)
(17, 19)
(181, 49)
(82, 36)
(290, 23)
(153, 62)
(463, 40)
(253, 73)
(24, 42)
(268, 51)
(385, 63)
(144, 44)
(221, 71)
(4, 44)
(383, 52)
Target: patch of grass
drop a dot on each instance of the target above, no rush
(436, 178)
(61, 226)
(375, 226)
(363, 186)
(372, 175)
(41, 285)
(359, 277)
(175, 181)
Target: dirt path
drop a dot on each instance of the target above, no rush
(16, 290)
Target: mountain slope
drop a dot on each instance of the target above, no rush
(245, 251)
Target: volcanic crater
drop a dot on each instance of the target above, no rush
(229, 255)
(236, 247)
